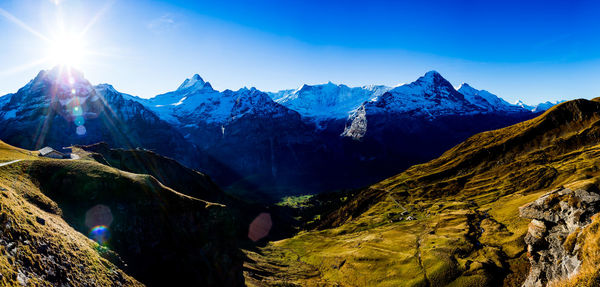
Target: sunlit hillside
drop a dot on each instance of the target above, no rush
(452, 221)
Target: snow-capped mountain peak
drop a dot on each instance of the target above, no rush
(195, 82)
(486, 100)
(521, 104)
(429, 83)
(327, 101)
(541, 107)
(464, 87)
(431, 74)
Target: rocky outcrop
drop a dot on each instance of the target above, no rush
(557, 219)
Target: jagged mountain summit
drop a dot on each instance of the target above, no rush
(429, 97)
(331, 101)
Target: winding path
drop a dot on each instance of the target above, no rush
(10, 162)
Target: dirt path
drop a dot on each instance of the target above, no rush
(10, 162)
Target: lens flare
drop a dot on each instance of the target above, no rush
(260, 227)
(77, 111)
(100, 234)
(79, 121)
(67, 50)
(80, 130)
(99, 215)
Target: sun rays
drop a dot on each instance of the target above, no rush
(67, 50)
(62, 45)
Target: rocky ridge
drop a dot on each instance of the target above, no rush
(557, 219)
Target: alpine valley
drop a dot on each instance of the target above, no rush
(422, 184)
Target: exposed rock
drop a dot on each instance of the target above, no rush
(40, 220)
(22, 279)
(556, 217)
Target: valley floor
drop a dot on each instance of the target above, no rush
(456, 243)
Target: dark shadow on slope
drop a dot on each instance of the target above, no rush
(166, 238)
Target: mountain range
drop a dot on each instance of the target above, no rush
(257, 144)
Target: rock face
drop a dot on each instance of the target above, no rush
(557, 219)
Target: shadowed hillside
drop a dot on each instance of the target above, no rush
(168, 171)
(152, 232)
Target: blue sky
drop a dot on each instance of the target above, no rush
(535, 51)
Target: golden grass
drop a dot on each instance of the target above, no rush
(10, 153)
(589, 240)
(75, 257)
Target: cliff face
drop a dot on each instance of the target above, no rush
(558, 218)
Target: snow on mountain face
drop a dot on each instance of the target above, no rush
(430, 95)
(196, 100)
(486, 100)
(62, 91)
(541, 107)
(194, 82)
(328, 100)
(524, 106)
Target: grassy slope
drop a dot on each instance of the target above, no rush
(165, 237)
(467, 230)
(168, 171)
(9, 153)
(38, 247)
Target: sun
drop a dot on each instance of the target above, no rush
(66, 50)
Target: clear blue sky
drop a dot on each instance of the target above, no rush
(535, 51)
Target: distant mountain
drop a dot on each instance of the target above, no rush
(486, 100)
(542, 107)
(430, 97)
(331, 101)
(327, 101)
(257, 144)
(539, 108)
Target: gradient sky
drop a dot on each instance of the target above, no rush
(542, 50)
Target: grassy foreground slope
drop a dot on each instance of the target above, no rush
(156, 234)
(38, 247)
(452, 221)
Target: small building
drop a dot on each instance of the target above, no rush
(51, 153)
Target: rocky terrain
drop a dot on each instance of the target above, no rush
(558, 217)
